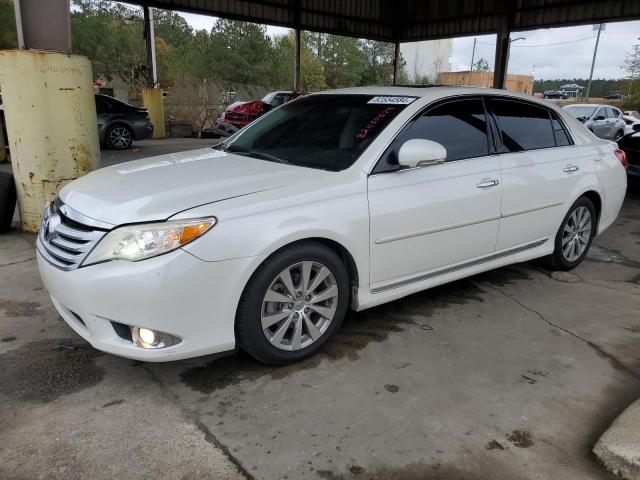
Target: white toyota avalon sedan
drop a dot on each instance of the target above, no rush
(343, 199)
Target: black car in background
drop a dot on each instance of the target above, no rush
(555, 94)
(119, 123)
(630, 144)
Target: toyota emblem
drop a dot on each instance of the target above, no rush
(49, 227)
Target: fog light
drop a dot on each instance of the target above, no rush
(147, 338)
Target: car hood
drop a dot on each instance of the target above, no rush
(249, 108)
(157, 188)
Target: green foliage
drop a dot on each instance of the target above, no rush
(98, 31)
(481, 65)
(8, 36)
(231, 52)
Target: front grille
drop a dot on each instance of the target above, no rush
(66, 237)
(236, 117)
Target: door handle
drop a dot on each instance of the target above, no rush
(570, 168)
(487, 183)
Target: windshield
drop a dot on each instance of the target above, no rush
(580, 111)
(328, 132)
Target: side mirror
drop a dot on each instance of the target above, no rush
(636, 127)
(421, 153)
(599, 118)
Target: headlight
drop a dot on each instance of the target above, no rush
(137, 242)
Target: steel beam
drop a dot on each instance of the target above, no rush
(396, 64)
(150, 40)
(501, 62)
(297, 81)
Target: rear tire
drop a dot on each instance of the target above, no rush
(618, 136)
(574, 236)
(119, 137)
(293, 303)
(7, 201)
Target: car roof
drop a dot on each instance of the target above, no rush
(589, 105)
(434, 92)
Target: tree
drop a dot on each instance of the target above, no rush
(378, 67)
(8, 35)
(632, 67)
(240, 52)
(111, 35)
(481, 65)
(98, 31)
(343, 61)
(311, 69)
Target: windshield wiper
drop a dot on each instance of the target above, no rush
(261, 155)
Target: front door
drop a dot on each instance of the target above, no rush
(425, 219)
(599, 125)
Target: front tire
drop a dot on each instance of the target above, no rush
(574, 236)
(292, 305)
(119, 137)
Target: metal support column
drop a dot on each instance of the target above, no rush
(55, 140)
(502, 53)
(297, 81)
(396, 64)
(150, 39)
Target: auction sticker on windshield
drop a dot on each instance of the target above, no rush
(392, 100)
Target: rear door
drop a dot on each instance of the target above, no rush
(540, 169)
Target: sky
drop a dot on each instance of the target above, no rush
(534, 54)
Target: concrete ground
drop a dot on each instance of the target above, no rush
(512, 374)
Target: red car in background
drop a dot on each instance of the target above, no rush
(240, 114)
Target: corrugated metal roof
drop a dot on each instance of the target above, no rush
(410, 20)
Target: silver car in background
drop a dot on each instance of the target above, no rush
(604, 121)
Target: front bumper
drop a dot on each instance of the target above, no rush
(224, 129)
(141, 132)
(633, 174)
(175, 293)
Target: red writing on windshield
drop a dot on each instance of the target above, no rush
(361, 135)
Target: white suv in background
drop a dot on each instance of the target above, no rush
(344, 199)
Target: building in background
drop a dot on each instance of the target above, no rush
(515, 83)
(425, 60)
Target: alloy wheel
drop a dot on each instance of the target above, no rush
(120, 137)
(576, 234)
(299, 305)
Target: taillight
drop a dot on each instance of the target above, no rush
(622, 157)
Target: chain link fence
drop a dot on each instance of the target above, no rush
(190, 107)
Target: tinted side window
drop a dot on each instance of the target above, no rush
(523, 126)
(278, 100)
(600, 113)
(460, 126)
(562, 137)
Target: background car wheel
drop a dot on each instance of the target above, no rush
(574, 236)
(7, 201)
(119, 137)
(618, 136)
(293, 304)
